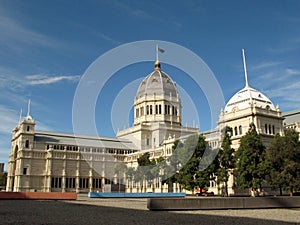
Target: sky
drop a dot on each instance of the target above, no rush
(47, 47)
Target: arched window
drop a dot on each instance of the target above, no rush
(150, 109)
(27, 144)
(270, 131)
(235, 131)
(273, 129)
(147, 109)
(266, 128)
(240, 130)
(231, 132)
(28, 128)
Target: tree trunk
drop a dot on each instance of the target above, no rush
(291, 190)
(280, 191)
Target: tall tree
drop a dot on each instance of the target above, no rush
(251, 167)
(283, 157)
(225, 159)
(198, 170)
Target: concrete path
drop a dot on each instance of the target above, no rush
(131, 211)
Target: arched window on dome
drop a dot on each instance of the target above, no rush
(240, 130)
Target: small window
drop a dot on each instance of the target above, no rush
(235, 131)
(240, 130)
(24, 171)
(266, 128)
(28, 128)
(27, 144)
(273, 129)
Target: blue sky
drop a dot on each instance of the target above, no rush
(46, 47)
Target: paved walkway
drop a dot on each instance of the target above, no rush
(131, 211)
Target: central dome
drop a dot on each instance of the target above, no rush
(157, 83)
(245, 97)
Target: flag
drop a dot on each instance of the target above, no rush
(160, 50)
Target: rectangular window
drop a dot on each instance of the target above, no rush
(56, 182)
(24, 171)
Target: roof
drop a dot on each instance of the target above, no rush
(242, 99)
(291, 116)
(82, 140)
(158, 83)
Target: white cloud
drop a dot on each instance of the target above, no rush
(14, 33)
(265, 65)
(9, 119)
(43, 79)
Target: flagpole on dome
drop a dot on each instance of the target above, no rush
(156, 52)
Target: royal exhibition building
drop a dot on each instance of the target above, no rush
(45, 161)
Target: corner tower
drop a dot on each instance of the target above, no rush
(19, 165)
(251, 106)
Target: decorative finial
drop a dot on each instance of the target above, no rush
(28, 109)
(157, 63)
(245, 68)
(20, 116)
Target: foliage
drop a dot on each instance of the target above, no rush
(251, 167)
(225, 159)
(283, 157)
(3, 178)
(197, 171)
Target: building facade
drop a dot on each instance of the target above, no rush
(51, 161)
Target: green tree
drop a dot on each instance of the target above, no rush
(275, 160)
(225, 159)
(199, 168)
(251, 167)
(144, 169)
(283, 157)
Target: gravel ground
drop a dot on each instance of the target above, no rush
(131, 211)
